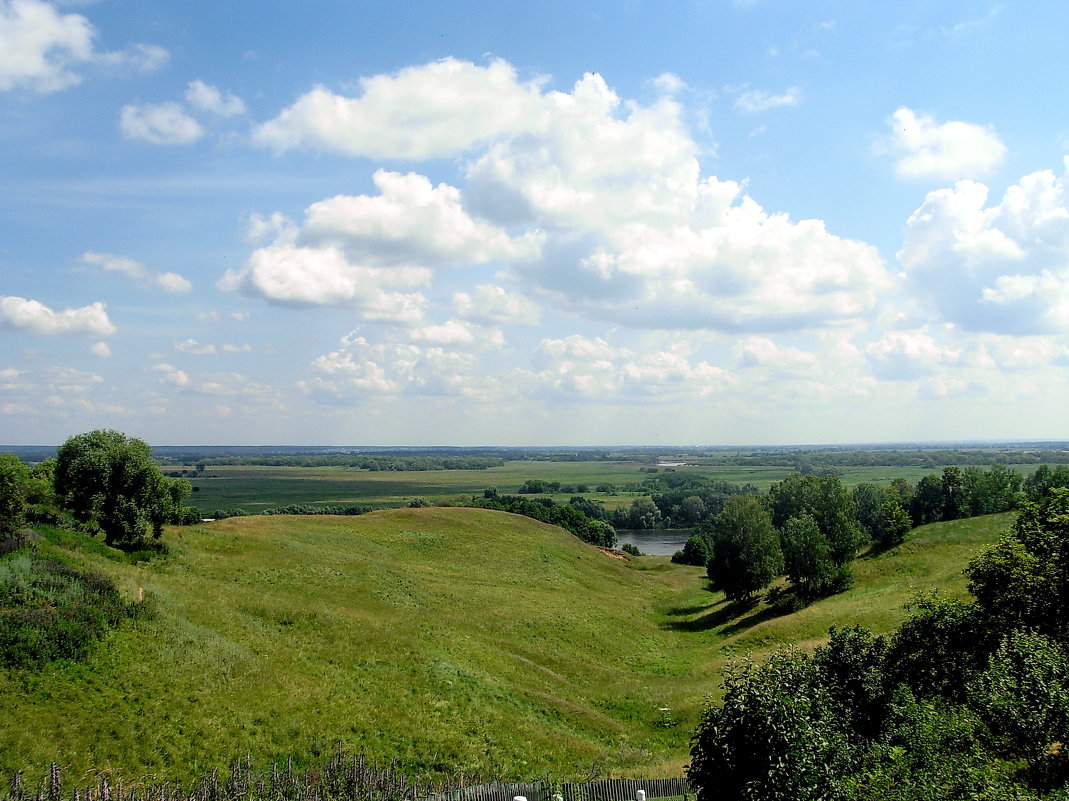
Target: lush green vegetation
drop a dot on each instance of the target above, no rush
(965, 699)
(469, 640)
(450, 639)
(50, 610)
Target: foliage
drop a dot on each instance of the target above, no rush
(107, 479)
(588, 529)
(631, 549)
(868, 500)
(14, 477)
(1045, 479)
(961, 493)
(746, 550)
(893, 523)
(49, 610)
(296, 509)
(697, 550)
(374, 463)
(1023, 695)
(938, 647)
(687, 499)
(807, 557)
(828, 502)
(642, 514)
(777, 736)
(949, 705)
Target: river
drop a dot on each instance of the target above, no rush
(654, 542)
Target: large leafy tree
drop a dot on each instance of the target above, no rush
(108, 479)
(746, 549)
(807, 556)
(828, 502)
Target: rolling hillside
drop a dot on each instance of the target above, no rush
(452, 640)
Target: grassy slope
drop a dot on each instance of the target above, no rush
(455, 639)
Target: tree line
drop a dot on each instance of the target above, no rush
(809, 527)
(374, 463)
(580, 516)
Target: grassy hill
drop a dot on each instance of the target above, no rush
(456, 640)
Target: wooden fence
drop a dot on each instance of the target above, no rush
(604, 790)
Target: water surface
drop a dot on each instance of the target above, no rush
(656, 542)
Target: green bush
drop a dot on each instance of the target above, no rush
(49, 610)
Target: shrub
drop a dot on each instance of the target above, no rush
(49, 610)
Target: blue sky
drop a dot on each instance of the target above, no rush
(718, 222)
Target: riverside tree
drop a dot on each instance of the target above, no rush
(106, 479)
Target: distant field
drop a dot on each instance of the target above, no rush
(258, 488)
(448, 639)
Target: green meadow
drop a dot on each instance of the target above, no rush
(452, 640)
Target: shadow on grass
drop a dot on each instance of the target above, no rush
(877, 549)
(683, 611)
(748, 622)
(720, 614)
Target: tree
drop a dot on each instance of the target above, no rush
(990, 491)
(14, 476)
(830, 505)
(777, 736)
(1023, 695)
(109, 480)
(807, 556)
(926, 506)
(746, 550)
(955, 500)
(868, 498)
(691, 511)
(696, 551)
(893, 522)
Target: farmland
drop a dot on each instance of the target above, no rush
(255, 488)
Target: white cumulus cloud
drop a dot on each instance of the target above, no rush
(43, 50)
(308, 276)
(753, 101)
(365, 251)
(944, 151)
(908, 355)
(591, 202)
(410, 222)
(493, 305)
(429, 111)
(1001, 267)
(33, 316)
(159, 124)
(210, 99)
